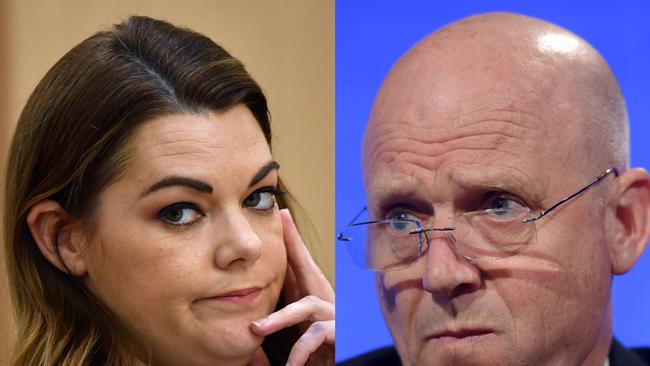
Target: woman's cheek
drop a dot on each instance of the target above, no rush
(276, 249)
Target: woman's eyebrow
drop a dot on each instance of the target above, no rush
(202, 186)
(178, 181)
(264, 171)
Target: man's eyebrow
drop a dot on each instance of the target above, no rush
(263, 172)
(178, 181)
(509, 181)
(388, 190)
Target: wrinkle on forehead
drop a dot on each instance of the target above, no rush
(510, 69)
(485, 132)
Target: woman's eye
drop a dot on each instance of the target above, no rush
(262, 199)
(180, 214)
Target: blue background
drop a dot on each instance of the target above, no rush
(372, 35)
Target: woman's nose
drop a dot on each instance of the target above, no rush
(238, 243)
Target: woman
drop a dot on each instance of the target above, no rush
(145, 219)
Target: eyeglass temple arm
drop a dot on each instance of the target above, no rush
(354, 219)
(598, 179)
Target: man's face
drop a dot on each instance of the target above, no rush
(449, 134)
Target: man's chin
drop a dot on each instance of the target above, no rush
(472, 349)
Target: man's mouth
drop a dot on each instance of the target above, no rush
(453, 336)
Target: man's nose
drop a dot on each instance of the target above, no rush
(447, 273)
(238, 242)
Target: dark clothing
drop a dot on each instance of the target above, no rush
(621, 356)
(618, 356)
(381, 357)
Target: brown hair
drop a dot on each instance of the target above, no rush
(71, 142)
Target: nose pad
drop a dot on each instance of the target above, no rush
(447, 271)
(237, 241)
(442, 232)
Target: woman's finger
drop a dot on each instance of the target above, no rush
(308, 275)
(290, 289)
(309, 308)
(319, 333)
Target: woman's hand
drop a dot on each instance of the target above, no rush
(311, 299)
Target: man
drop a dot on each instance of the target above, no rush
(477, 136)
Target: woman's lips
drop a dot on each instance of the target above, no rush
(241, 296)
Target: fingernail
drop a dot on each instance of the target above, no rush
(261, 322)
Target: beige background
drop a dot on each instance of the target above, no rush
(288, 46)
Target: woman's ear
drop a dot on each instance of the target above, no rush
(56, 236)
(631, 226)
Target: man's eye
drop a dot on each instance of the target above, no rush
(407, 219)
(506, 208)
(401, 216)
(262, 199)
(505, 203)
(180, 214)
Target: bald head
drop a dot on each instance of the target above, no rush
(506, 66)
(489, 120)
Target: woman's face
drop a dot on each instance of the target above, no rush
(188, 247)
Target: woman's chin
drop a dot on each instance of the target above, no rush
(236, 342)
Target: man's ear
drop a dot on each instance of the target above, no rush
(56, 237)
(631, 220)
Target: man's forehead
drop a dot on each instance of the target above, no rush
(497, 137)
(530, 88)
(444, 85)
(398, 182)
(505, 59)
